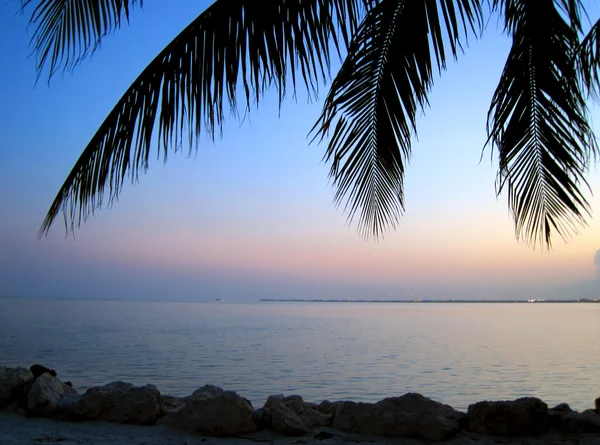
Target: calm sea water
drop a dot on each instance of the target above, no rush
(455, 353)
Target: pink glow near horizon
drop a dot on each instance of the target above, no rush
(459, 259)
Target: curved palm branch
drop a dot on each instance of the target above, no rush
(538, 121)
(374, 99)
(67, 31)
(588, 58)
(247, 43)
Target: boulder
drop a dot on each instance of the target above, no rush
(293, 416)
(411, 415)
(223, 414)
(272, 400)
(66, 406)
(573, 422)
(588, 421)
(327, 407)
(284, 420)
(277, 398)
(120, 402)
(45, 394)
(13, 382)
(561, 420)
(68, 388)
(521, 417)
(563, 408)
(206, 392)
(38, 370)
(172, 404)
(558, 417)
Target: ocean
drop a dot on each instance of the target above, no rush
(454, 353)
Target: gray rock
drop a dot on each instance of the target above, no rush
(293, 416)
(12, 384)
(223, 414)
(37, 370)
(588, 421)
(173, 404)
(68, 389)
(286, 421)
(120, 402)
(206, 392)
(557, 419)
(272, 399)
(327, 407)
(574, 422)
(563, 408)
(277, 398)
(45, 394)
(411, 415)
(67, 404)
(521, 417)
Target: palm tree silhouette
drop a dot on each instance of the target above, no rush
(538, 121)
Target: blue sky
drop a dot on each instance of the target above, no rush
(251, 215)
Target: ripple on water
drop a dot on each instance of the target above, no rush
(457, 354)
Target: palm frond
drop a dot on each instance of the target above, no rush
(66, 31)
(538, 122)
(372, 106)
(247, 43)
(588, 58)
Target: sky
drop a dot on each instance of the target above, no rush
(251, 215)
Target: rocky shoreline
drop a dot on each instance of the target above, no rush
(212, 412)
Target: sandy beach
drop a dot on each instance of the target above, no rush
(18, 430)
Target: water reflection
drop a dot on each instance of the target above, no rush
(457, 354)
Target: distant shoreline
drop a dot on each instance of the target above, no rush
(302, 300)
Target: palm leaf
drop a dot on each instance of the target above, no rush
(234, 43)
(67, 31)
(373, 102)
(538, 122)
(588, 57)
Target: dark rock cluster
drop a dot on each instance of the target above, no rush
(213, 411)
